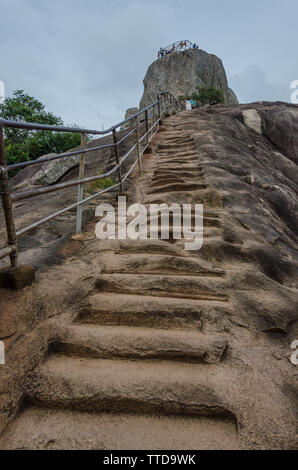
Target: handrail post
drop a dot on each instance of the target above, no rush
(7, 203)
(138, 145)
(152, 121)
(159, 115)
(117, 158)
(146, 119)
(81, 186)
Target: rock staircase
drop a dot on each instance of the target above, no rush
(141, 367)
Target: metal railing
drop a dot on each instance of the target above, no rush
(177, 46)
(148, 118)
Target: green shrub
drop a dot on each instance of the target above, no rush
(195, 96)
(210, 95)
(205, 95)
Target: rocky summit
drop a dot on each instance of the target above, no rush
(181, 72)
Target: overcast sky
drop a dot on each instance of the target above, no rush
(86, 59)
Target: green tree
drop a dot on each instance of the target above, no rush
(25, 144)
(210, 95)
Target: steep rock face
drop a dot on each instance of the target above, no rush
(129, 113)
(180, 73)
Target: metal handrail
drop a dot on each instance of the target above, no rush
(47, 127)
(153, 113)
(178, 46)
(184, 41)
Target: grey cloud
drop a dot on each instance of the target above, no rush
(85, 59)
(253, 85)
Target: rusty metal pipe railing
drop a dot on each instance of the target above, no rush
(62, 211)
(138, 146)
(7, 204)
(21, 195)
(57, 157)
(150, 113)
(126, 136)
(158, 106)
(81, 185)
(6, 251)
(178, 46)
(79, 203)
(45, 127)
(116, 145)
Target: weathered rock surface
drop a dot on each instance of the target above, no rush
(16, 278)
(130, 112)
(140, 343)
(52, 171)
(180, 73)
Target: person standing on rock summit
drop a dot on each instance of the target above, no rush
(193, 104)
(160, 52)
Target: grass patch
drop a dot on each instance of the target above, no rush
(98, 185)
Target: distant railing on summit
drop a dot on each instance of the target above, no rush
(178, 46)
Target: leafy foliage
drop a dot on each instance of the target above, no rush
(210, 95)
(25, 144)
(205, 95)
